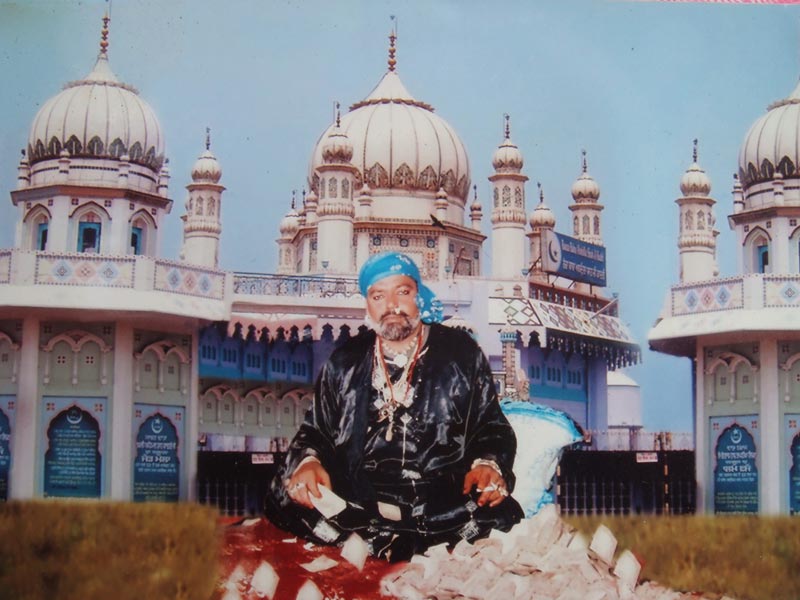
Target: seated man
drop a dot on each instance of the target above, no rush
(405, 427)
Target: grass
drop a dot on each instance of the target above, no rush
(101, 550)
(746, 557)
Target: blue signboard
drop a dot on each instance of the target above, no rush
(72, 462)
(573, 258)
(157, 468)
(735, 473)
(5, 454)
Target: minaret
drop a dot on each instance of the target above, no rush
(475, 210)
(202, 225)
(541, 219)
(697, 240)
(586, 209)
(508, 210)
(286, 249)
(336, 210)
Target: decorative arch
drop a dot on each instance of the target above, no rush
(428, 180)
(794, 250)
(76, 339)
(755, 245)
(163, 350)
(403, 177)
(142, 227)
(87, 224)
(292, 399)
(790, 378)
(731, 363)
(14, 347)
(37, 225)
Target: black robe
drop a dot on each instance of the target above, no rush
(455, 418)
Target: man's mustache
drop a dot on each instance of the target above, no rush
(394, 312)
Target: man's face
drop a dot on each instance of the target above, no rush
(392, 307)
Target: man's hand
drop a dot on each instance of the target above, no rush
(489, 483)
(304, 481)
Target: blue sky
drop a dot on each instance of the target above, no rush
(631, 82)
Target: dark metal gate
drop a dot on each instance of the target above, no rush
(626, 482)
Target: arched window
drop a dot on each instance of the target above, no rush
(506, 196)
(198, 207)
(37, 225)
(597, 225)
(332, 188)
(701, 220)
(576, 227)
(518, 197)
(211, 207)
(762, 257)
(688, 220)
(585, 222)
(138, 230)
(496, 197)
(322, 189)
(89, 229)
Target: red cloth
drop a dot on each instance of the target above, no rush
(249, 545)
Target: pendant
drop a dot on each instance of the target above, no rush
(400, 361)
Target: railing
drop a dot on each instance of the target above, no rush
(752, 291)
(617, 483)
(294, 285)
(586, 482)
(83, 269)
(639, 440)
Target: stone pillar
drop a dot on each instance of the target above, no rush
(769, 410)
(23, 474)
(121, 403)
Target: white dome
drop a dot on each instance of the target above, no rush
(206, 168)
(585, 189)
(773, 142)
(618, 378)
(98, 117)
(337, 147)
(290, 223)
(542, 216)
(695, 182)
(507, 158)
(423, 151)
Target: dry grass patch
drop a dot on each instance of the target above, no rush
(747, 557)
(102, 550)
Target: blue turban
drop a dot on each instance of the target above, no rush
(386, 264)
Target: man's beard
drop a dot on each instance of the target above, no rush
(395, 330)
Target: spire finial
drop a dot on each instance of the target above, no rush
(338, 115)
(541, 192)
(475, 192)
(583, 154)
(104, 35)
(392, 39)
(694, 152)
(208, 138)
(508, 125)
(294, 193)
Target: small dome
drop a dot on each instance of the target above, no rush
(772, 143)
(337, 148)
(206, 168)
(441, 194)
(507, 158)
(542, 216)
(475, 206)
(290, 223)
(97, 117)
(585, 188)
(695, 182)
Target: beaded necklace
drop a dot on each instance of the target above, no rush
(399, 393)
